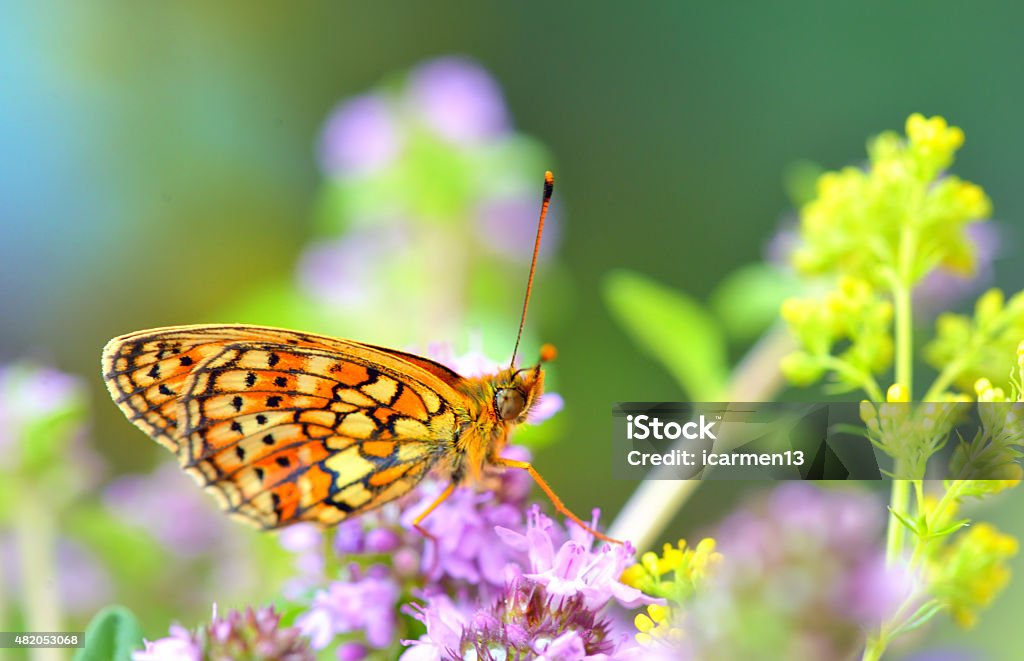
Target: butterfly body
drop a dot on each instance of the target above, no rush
(282, 426)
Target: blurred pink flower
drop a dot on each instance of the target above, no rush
(366, 602)
(345, 272)
(255, 633)
(167, 504)
(459, 99)
(361, 136)
(507, 225)
(82, 581)
(29, 394)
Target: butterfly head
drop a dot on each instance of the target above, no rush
(517, 392)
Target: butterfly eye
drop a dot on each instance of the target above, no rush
(509, 403)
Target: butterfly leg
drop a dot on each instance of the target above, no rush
(555, 500)
(426, 533)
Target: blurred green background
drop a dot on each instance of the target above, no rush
(158, 165)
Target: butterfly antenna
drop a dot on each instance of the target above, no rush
(549, 187)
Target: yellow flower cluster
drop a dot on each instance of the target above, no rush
(986, 392)
(933, 138)
(982, 346)
(970, 574)
(674, 575)
(688, 567)
(657, 626)
(865, 223)
(853, 311)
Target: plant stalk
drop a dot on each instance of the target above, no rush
(36, 538)
(656, 501)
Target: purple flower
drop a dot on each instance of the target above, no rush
(458, 99)
(445, 623)
(181, 645)
(804, 561)
(166, 504)
(366, 602)
(508, 225)
(546, 407)
(30, 394)
(82, 581)
(345, 272)
(463, 527)
(361, 136)
(551, 605)
(574, 569)
(526, 622)
(351, 652)
(252, 634)
(306, 541)
(350, 535)
(466, 547)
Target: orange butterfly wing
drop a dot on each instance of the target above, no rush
(284, 426)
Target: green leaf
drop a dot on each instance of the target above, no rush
(920, 617)
(673, 328)
(902, 519)
(111, 636)
(950, 529)
(748, 300)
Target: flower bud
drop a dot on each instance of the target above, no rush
(897, 393)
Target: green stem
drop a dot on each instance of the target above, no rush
(945, 378)
(899, 500)
(875, 647)
(36, 537)
(904, 339)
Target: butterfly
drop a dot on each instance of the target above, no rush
(282, 426)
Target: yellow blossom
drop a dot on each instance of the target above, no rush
(973, 571)
(657, 626)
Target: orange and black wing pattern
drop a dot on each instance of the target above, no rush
(283, 426)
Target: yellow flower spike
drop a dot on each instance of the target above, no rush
(897, 393)
(982, 385)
